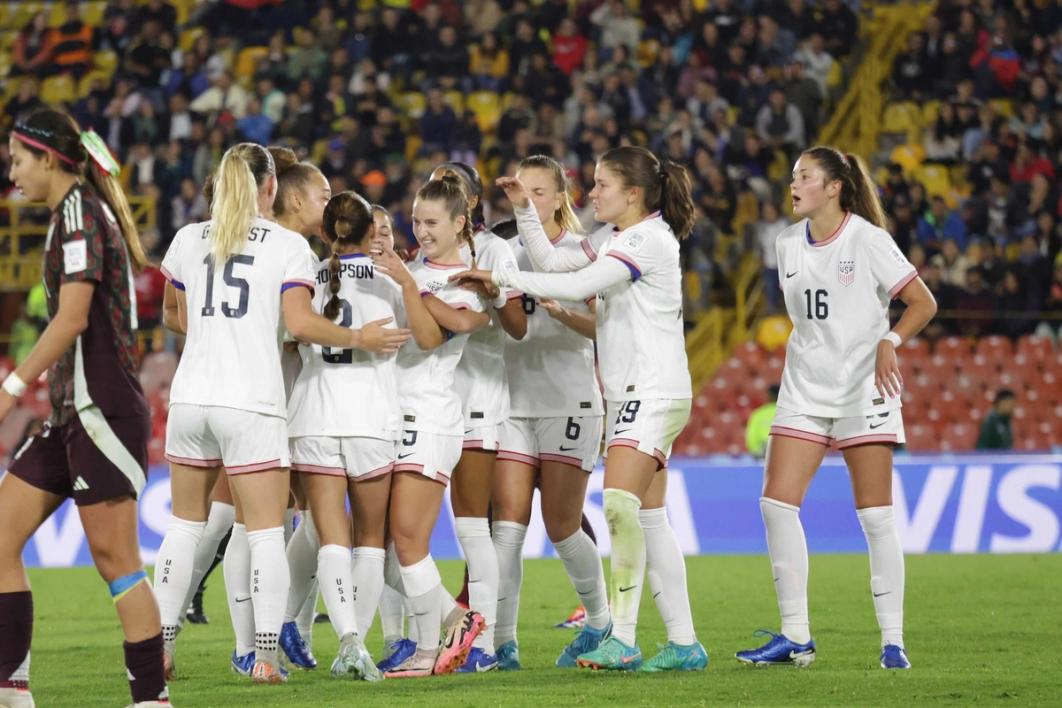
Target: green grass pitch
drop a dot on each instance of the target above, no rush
(980, 629)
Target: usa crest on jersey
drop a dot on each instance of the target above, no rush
(846, 271)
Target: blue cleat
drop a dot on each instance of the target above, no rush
(678, 657)
(894, 657)
(612, 655)
(400, 651)
(509, 656)
(243, 665)
(779, 651)
(295, 648)
(587, 640)
(478, 662)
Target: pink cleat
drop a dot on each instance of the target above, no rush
(458, 642)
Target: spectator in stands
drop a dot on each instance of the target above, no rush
(524, 45)
(569, 47)
(803, 92)
(910, 69)
(939, 224)
(819, 62)
(145, 58)
(73, 43)
(255, 126)
(780, 124)
(225, 101)
(21, 103)
(943, 143)
(839, 27)
(996, 433)
(1019, 305)
(766, 230)
(33, 47)
(952, 263)
(977, 304)
(758, 428)
(905, 221)
(189, 206)
(439, 122)
(489, 63)
(617, 26)
(446, 61)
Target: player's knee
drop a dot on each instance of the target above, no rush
(621, 507)
(559, 526)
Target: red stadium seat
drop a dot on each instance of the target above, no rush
(995, 348)
(955, 347)
(1035, 347)
(916, 347)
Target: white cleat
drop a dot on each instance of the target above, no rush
(15, 696)
(354, 660)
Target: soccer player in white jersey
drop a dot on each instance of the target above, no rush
(553, 436)
(646, 379)
(236, 275)
(841, 386)
(344, 422)
(483, 387)
(432, 420)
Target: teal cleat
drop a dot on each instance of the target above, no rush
(509, 656)
(678, 657)
(612, 655)
(587, 640)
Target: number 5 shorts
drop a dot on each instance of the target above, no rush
(433, 455)
(649, 425)
(574, 441)
(843, 432)
(215, 436)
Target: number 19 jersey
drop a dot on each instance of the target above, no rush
(837, 293)
(349, 392)
(232, 352)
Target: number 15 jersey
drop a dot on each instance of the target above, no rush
(837, 293)
(232, 352)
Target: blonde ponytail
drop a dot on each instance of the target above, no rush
(242, 171)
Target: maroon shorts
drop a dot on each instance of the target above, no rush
(66, 460)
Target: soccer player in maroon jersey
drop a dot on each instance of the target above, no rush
(94, 447)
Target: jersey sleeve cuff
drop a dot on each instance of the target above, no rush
(169, 276)
(289, 284)
(588, 249)
(636, 272)
(895, 289)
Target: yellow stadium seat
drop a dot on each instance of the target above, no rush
(909, 156)
(106, 61)
(935, 179)
(1003, 106)
(456, 100)
(834, 76)
(487, 107)
(412, 103)
(930, 109)
(58, 89)
(900, 117)
(187, 38)
(92, 13)
(413, 143)
(84, 86)
(247, 61)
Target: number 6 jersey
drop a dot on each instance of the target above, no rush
(837, 292)
(232, 353)
(349, 392)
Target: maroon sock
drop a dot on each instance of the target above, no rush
(16, 630)
(589, 529)
(144, 663)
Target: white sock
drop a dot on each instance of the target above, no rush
(173, 571)
(789, 562)
(270, 583)
(392, 612)
(582, 560)
(218, 523)
(302, 559)
(304, 620)
(473, 534)
(237, 571)
(509, 548)
(422, 583)
(393, 578)
(667, 576)
(333, 574)
(289, 523)
(886, 570)
(368, 576)
(628, 562)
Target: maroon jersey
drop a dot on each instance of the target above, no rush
(85, 244)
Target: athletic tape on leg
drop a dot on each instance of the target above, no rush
(120, 588)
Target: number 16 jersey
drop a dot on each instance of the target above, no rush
(232, 352)
(837, 293)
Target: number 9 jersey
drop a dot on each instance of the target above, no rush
(837, 293)
(232, 352)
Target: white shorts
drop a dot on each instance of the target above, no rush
(575, 441)
(215, 436)
(482, 437)
(358, 458)
(842, 432)
(649, 425)
(433, 455)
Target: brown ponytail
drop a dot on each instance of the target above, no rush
(347, 222)
(292, 176)
(665, 184)
(450, 190)
(858, 193)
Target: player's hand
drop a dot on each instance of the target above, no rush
(887, 376)
(7, 403)
(556, 310)
(390, 264)
(374, 337)
(485, 289)
(514, 189)
(466, 276)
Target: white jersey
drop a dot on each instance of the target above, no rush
(640, 335)
(551, 370)
(837, 293)
(349, 392)
(480, 379)
(426, 390)
(232, 352)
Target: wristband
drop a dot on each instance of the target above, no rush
(500, 301)
(14, 385)
(894, 338)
